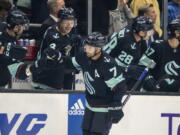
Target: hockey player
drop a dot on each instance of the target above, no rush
(56, 37)
(128, 45)
(104, 87)
(165, 76)
(10, 52)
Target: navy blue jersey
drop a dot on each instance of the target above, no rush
(167, 62)
(5, 61)
(55, 40)
(52, 78)
(124, 48)
(100, 77)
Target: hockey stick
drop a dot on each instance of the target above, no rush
(142, 76)
(149, 64)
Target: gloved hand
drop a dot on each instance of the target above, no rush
(150, 84)
(15, 51)
(168, 86)
(115, 111)
(52, 54)
(134, 71)
(50, 60)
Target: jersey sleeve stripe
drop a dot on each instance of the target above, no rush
(75, 64)
(114, 81)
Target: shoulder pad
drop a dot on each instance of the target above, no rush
(158, 41)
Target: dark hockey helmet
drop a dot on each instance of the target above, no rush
(17, 17)
(96, 39)
(174, 25)
(66, 13)
(142, 23)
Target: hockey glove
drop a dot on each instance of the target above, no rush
(52, 54)
(15, 51)
(168, 86)
(115, 112)
(150, 84)
(134, 71)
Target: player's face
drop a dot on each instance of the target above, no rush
(146, 35)
(90, 50)
(19, 29)
(66, 26)
(177, 32)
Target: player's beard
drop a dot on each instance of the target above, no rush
(94, 56)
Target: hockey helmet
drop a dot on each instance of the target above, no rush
(66, 13)
(174, 25)
(96, 39)
(16, 17)
(142, 23)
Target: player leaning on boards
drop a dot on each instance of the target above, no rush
(128, 46)
(11, 54)
(57, 37)
(165, 75)
(104, 83)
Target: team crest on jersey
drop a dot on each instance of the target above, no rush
(56, 36)
(133, 46)
(107, 60)
(171, 69)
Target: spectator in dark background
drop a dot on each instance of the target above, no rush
(39, 11)
(136, 4)
(24, 5)
(100, 15)
(120, 17)
(5, 6)
(54, 6)
(173, 10)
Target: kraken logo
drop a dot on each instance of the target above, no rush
(171, 69)
(87, 80)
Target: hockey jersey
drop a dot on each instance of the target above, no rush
(52, 78)
(100, 76)
(167, 60)
(124, 48)
(5, 61)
